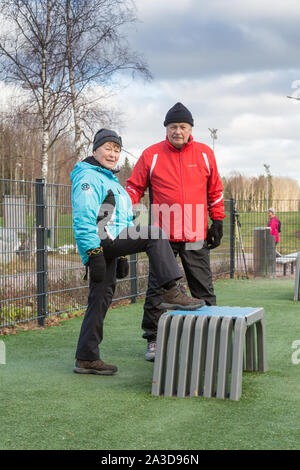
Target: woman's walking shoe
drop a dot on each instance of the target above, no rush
(94, 367)
(177, 299)
(150, 352)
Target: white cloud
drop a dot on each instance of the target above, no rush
(255, 121)
(11, 96)
(197, 38)
(230, 9)
(158, 8)
(281, 154)
(254, 10)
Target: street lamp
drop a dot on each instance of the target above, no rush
(213, 134)
(267, 168)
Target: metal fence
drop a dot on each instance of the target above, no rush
(41, 271)
(255, 250)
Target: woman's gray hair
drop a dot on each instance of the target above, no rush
(271, 210)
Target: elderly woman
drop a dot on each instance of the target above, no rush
(104, 231)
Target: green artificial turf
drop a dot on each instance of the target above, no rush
(44, 405)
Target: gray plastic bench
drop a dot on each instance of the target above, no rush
(297, 279)
(202, 352)
(287, 259)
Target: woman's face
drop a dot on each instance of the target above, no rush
(270, 214)
(108, 154)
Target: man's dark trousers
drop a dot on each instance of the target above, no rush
(196, 265)
(161, 262)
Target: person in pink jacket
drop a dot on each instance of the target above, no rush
(273, 224)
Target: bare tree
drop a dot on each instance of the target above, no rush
(96, 49)
(252, 190)
(31, 56)
(56, 50)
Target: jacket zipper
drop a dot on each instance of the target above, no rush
(182, 184)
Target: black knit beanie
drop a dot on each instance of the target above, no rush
(179, 113)
(106, 135)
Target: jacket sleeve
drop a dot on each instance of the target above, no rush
(138, 181)
(273, 224)
(87, 196)
(215, 198)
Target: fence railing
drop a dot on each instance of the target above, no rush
(41, 271)
(250, 218)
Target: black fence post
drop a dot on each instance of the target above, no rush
(41, 251)
(133, 278)
(232, 236)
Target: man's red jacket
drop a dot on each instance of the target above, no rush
(183, 185)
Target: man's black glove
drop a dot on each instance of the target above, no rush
(214, 234)
(122, 267)
(97, 264)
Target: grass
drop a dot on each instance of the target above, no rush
(44, 405)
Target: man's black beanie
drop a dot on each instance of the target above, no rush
(106, 135)
(179, 113)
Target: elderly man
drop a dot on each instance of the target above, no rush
(184, 185)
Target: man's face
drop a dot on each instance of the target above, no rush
(108, 155)
(178, 133)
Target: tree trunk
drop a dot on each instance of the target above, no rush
(74, 100)
(45, 106)
(78, 142)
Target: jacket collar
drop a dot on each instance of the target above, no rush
(174, 149)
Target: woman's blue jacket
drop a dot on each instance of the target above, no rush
(91, 186)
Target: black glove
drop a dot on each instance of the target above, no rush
(122, 267)
(96, 265)
(214, 234)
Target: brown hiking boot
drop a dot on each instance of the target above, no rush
(177, 299)
(94, 367)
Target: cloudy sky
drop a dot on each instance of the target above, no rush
(232, 64)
